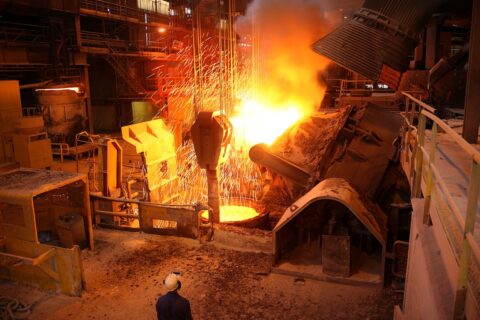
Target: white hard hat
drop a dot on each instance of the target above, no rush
(171, 282)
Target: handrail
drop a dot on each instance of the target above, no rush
(136, 201)
(423, 163)
(142, 216)
(419, 102)
(61, 147)
(115, 8)
(472, 152)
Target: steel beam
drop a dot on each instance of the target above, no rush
(472, 94)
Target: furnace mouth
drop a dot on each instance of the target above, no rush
(241, 212)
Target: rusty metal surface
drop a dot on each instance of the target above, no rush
(339, 190)
(25, 183)
(370, 150)
(307, 144)
(64, 112)
(262, 155)
(380, 34)
(311, 145)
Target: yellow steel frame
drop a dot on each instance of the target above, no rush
(48, 267)
(422, 165)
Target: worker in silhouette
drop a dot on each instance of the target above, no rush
(172, 306)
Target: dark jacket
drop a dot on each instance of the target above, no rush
(172, 306)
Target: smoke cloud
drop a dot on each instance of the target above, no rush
(288, 67)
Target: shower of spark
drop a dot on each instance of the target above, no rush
(260, 108)
(238, 176)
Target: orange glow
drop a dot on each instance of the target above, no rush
(234, 213)
(162, 30)
(257, 122)
(286, 83)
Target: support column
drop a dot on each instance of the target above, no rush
(418, 56)
(78, 33)
(86, 79)
(472, 93)
(213, 195)
(431, 43)
(88, 99)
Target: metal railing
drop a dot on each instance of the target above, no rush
(31, 111)
(100, 39)
(182, 220)
(425, 176)
(356, 88)
(60, 149)
(12, 33)
(106, 40)
(120, 9)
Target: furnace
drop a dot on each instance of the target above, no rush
(300, 147)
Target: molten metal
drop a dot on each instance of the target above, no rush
(234, 213)
(256, 122)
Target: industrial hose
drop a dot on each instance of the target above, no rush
(12, 309)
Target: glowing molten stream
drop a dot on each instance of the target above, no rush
(234, 213)
(255, 122)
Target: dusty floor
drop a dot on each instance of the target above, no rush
(125, 272)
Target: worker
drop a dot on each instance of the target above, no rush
(172, 306)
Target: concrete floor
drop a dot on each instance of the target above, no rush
(124, 279)
(125, 272)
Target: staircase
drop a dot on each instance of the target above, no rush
(119, 67)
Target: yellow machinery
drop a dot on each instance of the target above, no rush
(32, 150)
(156, 143)
(22, 139)
(45, 218)
(10, 109)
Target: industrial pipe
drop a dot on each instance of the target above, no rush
(262, 155)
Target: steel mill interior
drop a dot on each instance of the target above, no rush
(301, 159)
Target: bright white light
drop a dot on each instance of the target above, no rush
(75, 89)
(162, 30)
